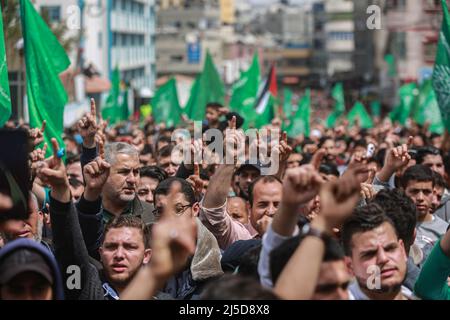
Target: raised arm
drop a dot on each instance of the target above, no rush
(396, 158)
(89, 207)
(173, 242)
(299, 278)
(67, 238)
(432, 282)
(88, 129)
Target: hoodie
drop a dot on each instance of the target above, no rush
(45, 253)
(203, 266)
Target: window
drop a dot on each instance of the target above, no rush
(176, 58)
(341, 36)
(100, 42)
(52, 12)
(398, 44)
(396, 4)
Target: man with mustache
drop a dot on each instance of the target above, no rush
(31, 228)
(119, 194)
(375, 255)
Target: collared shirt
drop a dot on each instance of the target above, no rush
(110, 293)
(135, 208)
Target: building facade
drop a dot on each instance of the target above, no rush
(116, 33)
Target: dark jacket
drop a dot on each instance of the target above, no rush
(45, 253)
(204, 266)
(70, 249)
(136, 207)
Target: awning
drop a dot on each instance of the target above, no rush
(97, 84)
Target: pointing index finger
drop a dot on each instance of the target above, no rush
(410, 140)
(93, 109)
(44, 123)
(196, 170)
(101, 149)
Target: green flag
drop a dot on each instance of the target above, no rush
(5, 98)
(441, 72)
(208, 87)
(339, 105)
(45, 59)
(166, 107)
(267, 115)
(111, 109)
(300, 122)
(428, 109)
(359, 112)
(124, 110)
(287, 103)
(402, 112)
(244, 91)
(392, 68)
(375, 108)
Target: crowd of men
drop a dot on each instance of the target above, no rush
(351, 213)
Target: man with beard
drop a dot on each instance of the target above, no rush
(119, 194)
(125, 245)
(375, 255)
(31, 228)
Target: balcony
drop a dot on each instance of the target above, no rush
(340, 45)
(339, 6)
(130, 23)
(131, 57)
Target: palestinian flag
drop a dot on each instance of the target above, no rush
(265, 103)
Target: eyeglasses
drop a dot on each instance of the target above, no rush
(179, 210)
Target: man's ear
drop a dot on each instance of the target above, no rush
(195, 209)
(147, 256)
(100, 251)
(402, 247)
(349, 264)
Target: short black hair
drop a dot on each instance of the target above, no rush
(418, 173)
(323, 140)
(163, 138)
(363, 219)
(264, 179)
(439, 180)
(236, 287)
(72, 158)
(426, 151)
(214, 105)
(306, 141)
(281, 255)
(164, 186)
(447, 163)
(249, 263)
(360, 143)
(165, 151)
(401, 210)
(329, 168)
(380, 156)
(154, 172)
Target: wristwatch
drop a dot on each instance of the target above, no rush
(307, 230)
